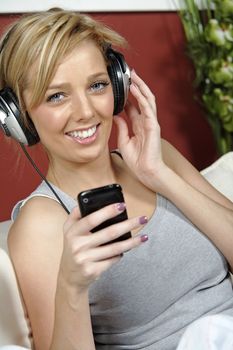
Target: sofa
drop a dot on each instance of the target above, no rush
(14, 324)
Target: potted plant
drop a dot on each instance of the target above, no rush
(209, 33)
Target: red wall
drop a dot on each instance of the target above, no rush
(157, 53)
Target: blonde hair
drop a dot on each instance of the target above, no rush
(45, 38)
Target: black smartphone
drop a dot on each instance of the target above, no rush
(97, 198)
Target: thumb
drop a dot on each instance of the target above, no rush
(72, 218)
(123, 131)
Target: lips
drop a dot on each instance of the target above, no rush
(83, 134)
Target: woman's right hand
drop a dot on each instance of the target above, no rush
(85, 254)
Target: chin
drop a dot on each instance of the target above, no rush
(92, 154)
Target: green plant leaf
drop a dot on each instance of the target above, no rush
(209, 35)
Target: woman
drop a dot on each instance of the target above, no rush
(79, 292)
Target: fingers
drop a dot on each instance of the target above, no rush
(131, 110)
(93, 220)
(106, 256)
(81, 228)
(87, 255)
(72, 218)
(123, 131)
(142, 87)
(115, 249)
(143, 94)
(94, 261)
(115, 231)
(135, 116)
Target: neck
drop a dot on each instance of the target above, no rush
(74, 178)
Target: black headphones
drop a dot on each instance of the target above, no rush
(11, 117)
(119, 74)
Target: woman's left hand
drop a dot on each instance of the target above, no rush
(141, 151)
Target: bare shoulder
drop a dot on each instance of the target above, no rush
(35, 245)
(39, 218)
(36, 236)
(179, 164)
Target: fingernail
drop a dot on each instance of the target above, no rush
(120, 206)
(144, 238)
(143, 220)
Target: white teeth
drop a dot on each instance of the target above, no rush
(83, 134)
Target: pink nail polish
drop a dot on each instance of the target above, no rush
(143, 220)
(144, 238)
(120, 206)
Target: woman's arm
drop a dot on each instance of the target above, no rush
(206, 208)
(162, 169)
(56, 258)
(72, 322)
(35, 245)
(177, 162)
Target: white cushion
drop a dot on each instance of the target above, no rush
(4, 229)
(220, 174)
(14, 328)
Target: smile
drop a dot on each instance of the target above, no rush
(83, 134)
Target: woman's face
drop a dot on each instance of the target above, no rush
(74, 119)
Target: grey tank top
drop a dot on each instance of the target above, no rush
(146, 300)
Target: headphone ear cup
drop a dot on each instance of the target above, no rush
(11, 120)
(119, 74)
(117, 88)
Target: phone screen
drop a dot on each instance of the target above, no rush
(97, 198)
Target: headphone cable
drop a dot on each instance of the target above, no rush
(43, 177)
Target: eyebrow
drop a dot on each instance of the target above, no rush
(90, 78)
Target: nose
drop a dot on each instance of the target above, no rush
(82, 107)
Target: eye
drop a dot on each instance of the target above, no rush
(57, 97)
(98, 86)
